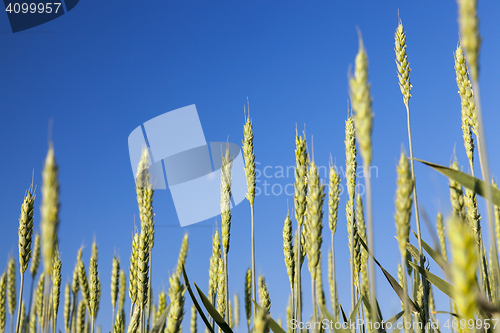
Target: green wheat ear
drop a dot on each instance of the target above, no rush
(11, 286)
(362, 103)
(49, 210)
(181, 261)
(248, 297)
(3, 307)
(288, 249)
(464, 267)
(402, 62)
(35, 262)
(26, 229)
(403, 202)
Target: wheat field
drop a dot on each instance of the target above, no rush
(465, 273)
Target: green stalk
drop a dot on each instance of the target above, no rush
(253, 256)
(20, 301)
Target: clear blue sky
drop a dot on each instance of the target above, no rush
(106, 67)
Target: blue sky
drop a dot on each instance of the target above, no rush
(107, 67)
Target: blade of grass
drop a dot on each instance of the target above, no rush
(160, 322)
(477, 185)
(441, 284)
(393, 282)
(195, 302)
(213, 312)
(436, 256)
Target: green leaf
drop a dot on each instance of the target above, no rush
(438, 258)
(394, 284)
(441, 284)
(343, 313)
(213, 312)
(477, 185)
(395, 318)
(195, 302)
(160, 322)
(273, 325)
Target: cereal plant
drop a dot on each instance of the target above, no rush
(472, 272)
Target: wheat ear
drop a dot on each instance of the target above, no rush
(403, 212)
(56, 286)
(115, 285)
(11, 290)
(181, 261)
(213, 270)
(363, 118)
(264, 299)
(464, 267)
(314, 227)
(3, 306)
(288, 249)
(248, 297)
(176, 313)
(67, 308)
(350, 174)
(236, 301)
(25, 238)
(225, 208)
(35, 262)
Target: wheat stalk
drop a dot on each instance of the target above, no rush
(363, 118)
(193, 318)
(300, 194)
(25, 238)
(225, 208)
(249, 156)
(471, 42)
